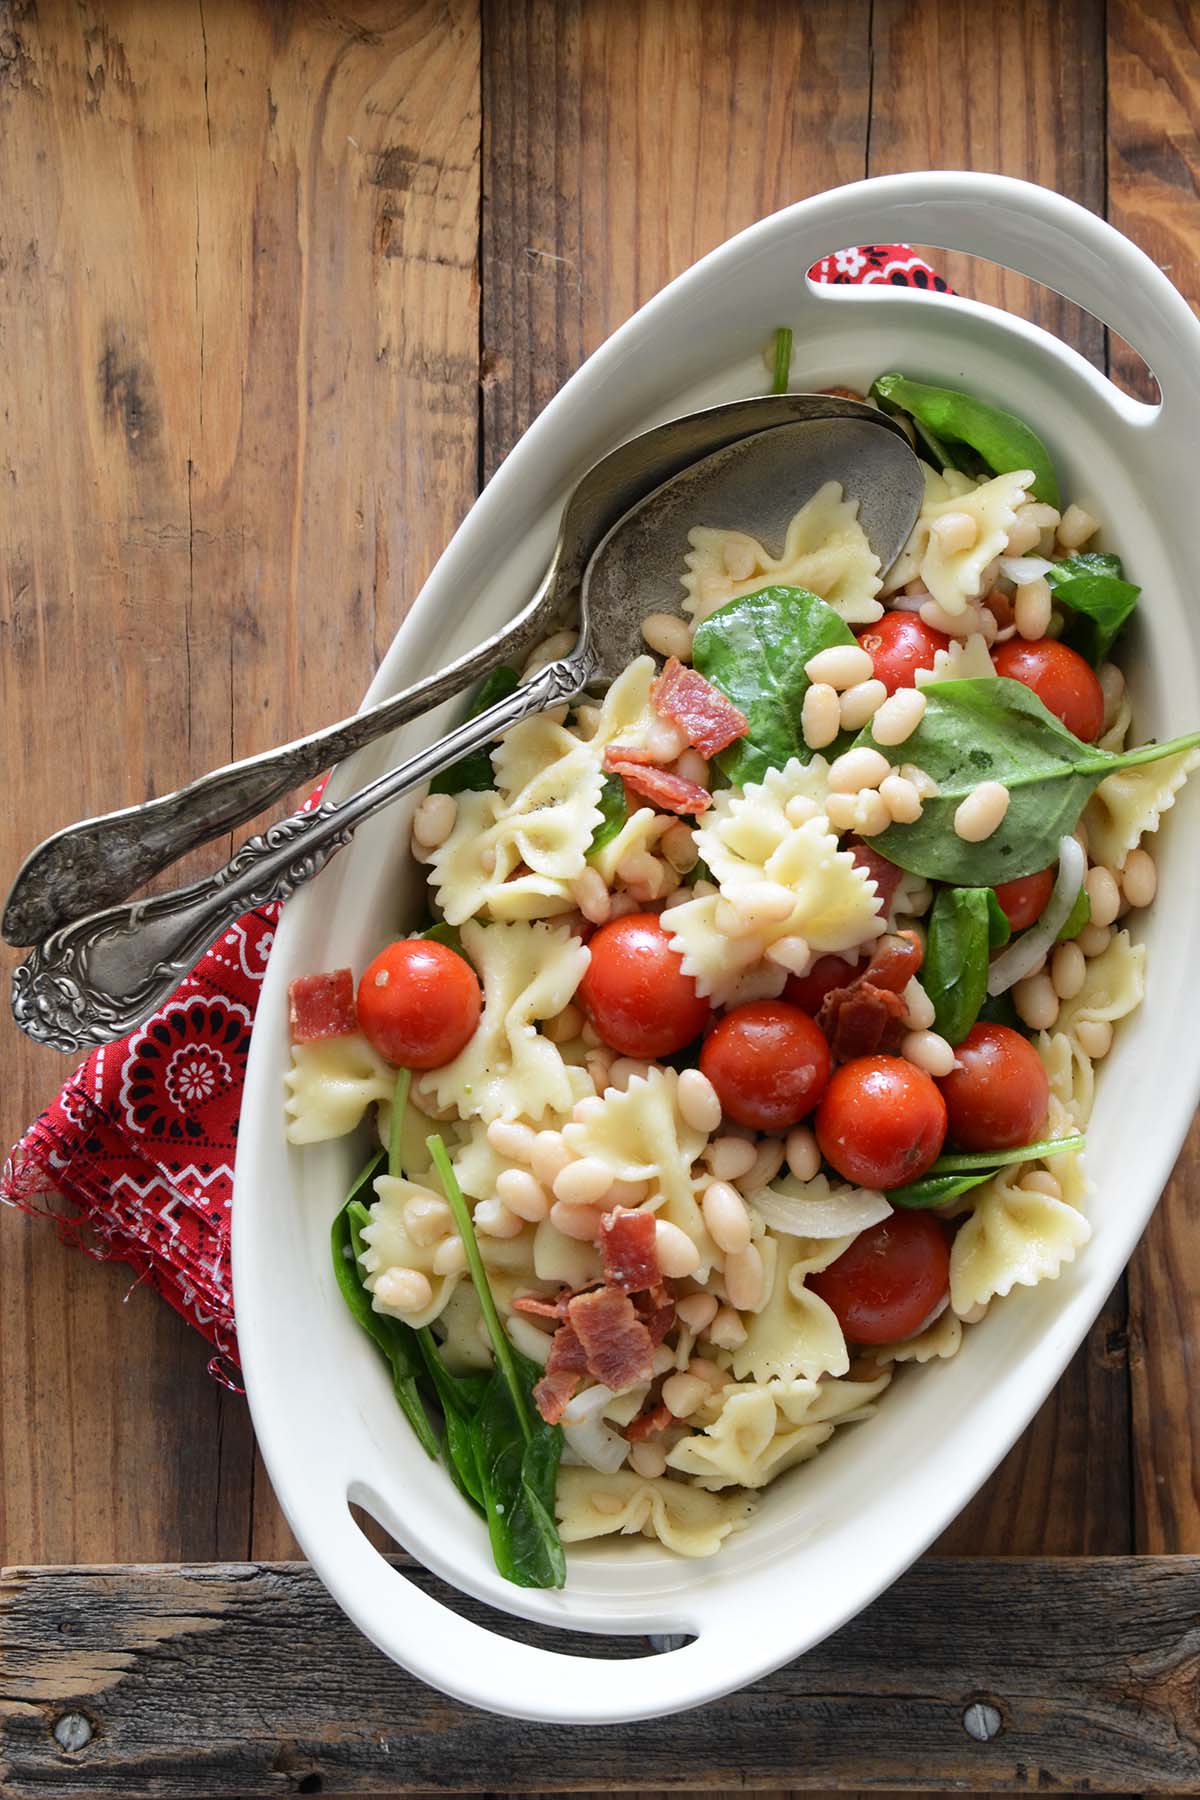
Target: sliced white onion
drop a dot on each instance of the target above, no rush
(814, 1209)
(599, 1447)
(907, 602)
(1023, 957)
(528, 1339)
(588, 1403)
(1024, 568)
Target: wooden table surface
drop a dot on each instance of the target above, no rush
(279, 287)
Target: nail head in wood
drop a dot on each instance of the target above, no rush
(982, 1721)
(72, 1731)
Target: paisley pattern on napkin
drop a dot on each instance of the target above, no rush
(134, 1159)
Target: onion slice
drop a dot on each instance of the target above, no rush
(599, 1447)
(1024, 568)
(1023, 956)
(814, 1209)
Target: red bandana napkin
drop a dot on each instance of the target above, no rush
(134, 1159)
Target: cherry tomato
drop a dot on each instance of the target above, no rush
(887, 1283)
(882, 1121)
(635, 991)
(1060, 678)
(1024, 900)
(901, 643)
(997, 1097)
(419, 1003)
(827, 973)
(768, 1062)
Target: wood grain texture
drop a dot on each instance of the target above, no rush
(1092, 1665)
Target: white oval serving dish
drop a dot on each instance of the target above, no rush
(829, 1536)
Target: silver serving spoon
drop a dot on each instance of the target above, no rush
(96, 979)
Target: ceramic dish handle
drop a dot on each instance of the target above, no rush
(1034, 231)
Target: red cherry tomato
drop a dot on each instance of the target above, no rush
(419, 1003)
(1060, 678)
(768, 1062)
(900, 643)
(827, 973)
(997, 1097)
(882, 1121)
(635, 991)
(1024, 900)
(887, 1283)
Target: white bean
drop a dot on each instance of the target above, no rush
(1036, 1001)
(871, 814)
(677, 1254)
(583, 1183)
(1094, 939)
(1068, 970)
(745, 1279)
(899, 716)
(579, 1222)
(664, 740)
(434, 820)
(698, 1101)
(642, 874)
(842, 665)
(561, 643)
(901, 799)
(1139, 878)
(1104, 895)
(859, 768)
(598, 1063)
(803, 1156)
(1095, 1037)
(976, 817)
(549, 1154)
(523, 1195)
(820, 715)
(565, 1025)
(668, 636)
(762, 902)
(730, 1157)
(955, 531)
(1041, 1181)
(1112, 686)
(860, 703)
(1075, 527)
(800, 809)
(791, 953)
(929, 1051)
(726, 1217)
(679, 847)
(1031, 608)
(959, 624)
(450, 1257)
(493, 1219)
(626, 1069)
(427, 1218)
(682, 1394)
(842, 811)
(924, 783)
(403, 1290)
(509, 1138)
(920, 1014)
(1023, 537)
(647, 1459)
(591, 896)
(726, 1330)
(697, 1311)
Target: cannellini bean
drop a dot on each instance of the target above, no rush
(648, 1459)
(627, 1193)
(642, 873)
(899, 716)
(677, 1254)
(668, 636)
(1036, 1001)
(726, 1217)
(598, 1064)
(791, 953)
(1041, 514)
(579, 1222)
(697, 1311)
(698, 1101)
(730, 1157)
(564, 1026)
(929, 1051)
(509, 1138)
(842, 812)
(427, 1218)
(1075, 528)
(1139, 878)
(860, 703)
(803, 1156)
(820, 715)
(1104, 894)
(920, 1014)
(871, 814)
(745, 1279)
(679, 847)
(625, 1069)
(726, 1330)
(692, 767)
(859, 768)
(663, 1360)
(1095, 1037)
(590, 1107)
(1023, 537)
(403, 1290)
(1031, 608)
(603, 1502)
(1094, 939)
(1041, 1181)
(924, 783)
(549, 1155)
(434, 820)
(800, 809)
(976, 817)
(731, 920)
(587, 720)
(1068, 970)
(561, 643)
(523, 1195)
(901, 799)
(665, 740)
(493, 1218)
(762, 902)
(682, 1394)
(708, 1371)
(959, 624)
(583, 1183)
(1112, 686)
(591, 896)
(955, 531)
(450, 1257)
(842, 665)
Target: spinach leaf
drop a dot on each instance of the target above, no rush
(998, 1009)
(754, 650)
(1077, 918)
(993, 729)
(475, 769)
(961, 1163)
(947, 419)
(999, 929)
(952, 1175)
(450, 935)
(934, 1190)
(954, 973)
(614, 813)
(1086, 562)
(783, 360)
(1101, 605)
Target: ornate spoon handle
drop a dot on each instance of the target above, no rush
(96, 979)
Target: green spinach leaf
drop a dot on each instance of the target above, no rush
(963, 1162)
(999, 929)
(450, 935)
(783, 360)
(993, 729)
(934, 1190)
(953, 1175)
(754, 650)
(1101, 606)
(1086, 562)
(1077, 918)
(947, 420)
(613, 813)
(954, 973)
(475, 769)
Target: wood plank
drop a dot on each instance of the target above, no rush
(1091, 1667)
(1153, 170)
(239, 306)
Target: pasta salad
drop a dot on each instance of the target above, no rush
(750, 1051)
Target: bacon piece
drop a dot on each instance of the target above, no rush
(565, 1365)
(670, 792)
(628, 1242)
(648, 1424)
(618, 1348)
(322, 1006)
(840, 393)
(878, 869)
(861, 1020)
(709, 721)
(656, 1310)
(894, 961)
(536, 1308)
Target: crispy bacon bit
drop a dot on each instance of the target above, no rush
(861, 1020)
(536, 1308)
(629, 1246)
(709, 721)
(1000, 606)
(669, 792)
(565, 1365)
(648, 1424)
(618, 1347)
(657, 1311)
(876, 868)
(322, 1006)
(839, 393)
(894, 961)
